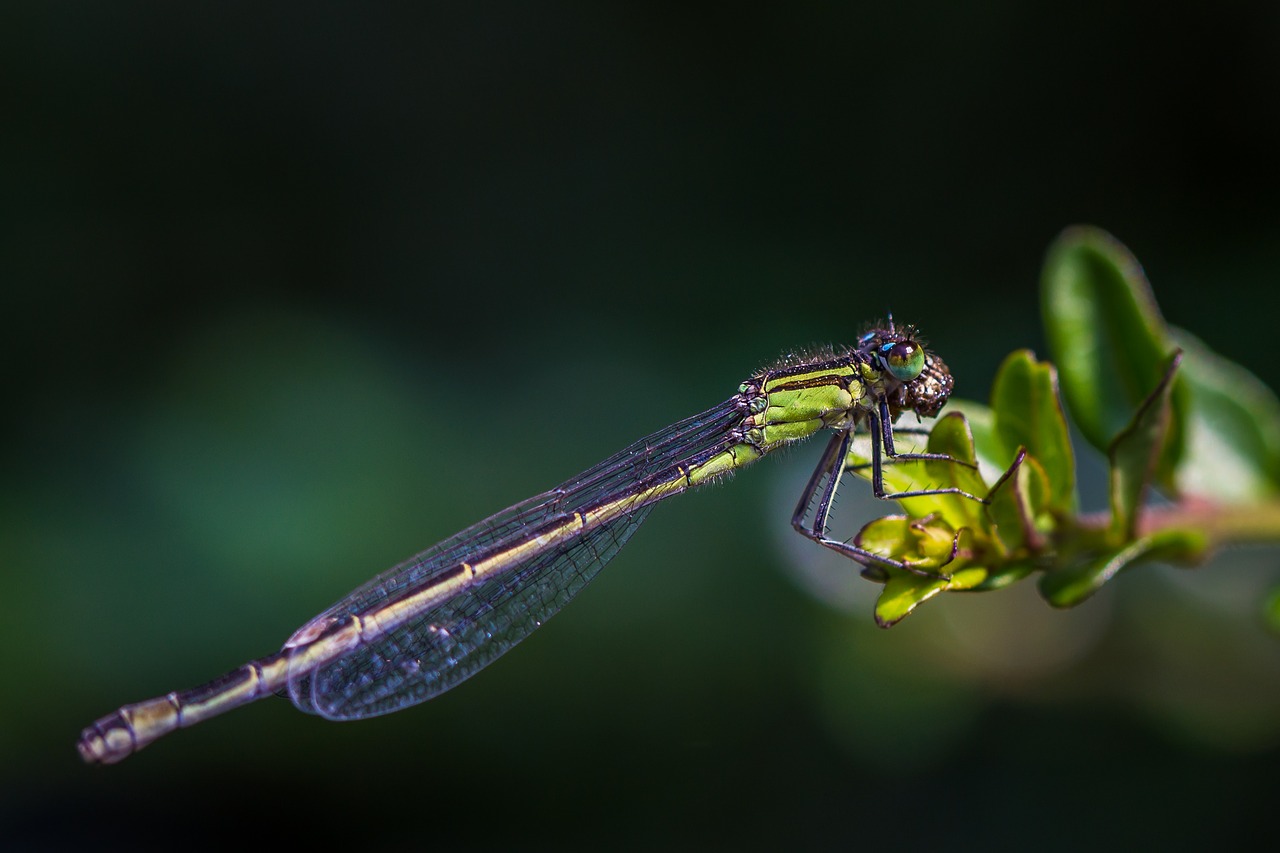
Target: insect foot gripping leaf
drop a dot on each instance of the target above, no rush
(1168, 413)
(968, 545)
(928, 543)
(934, 538)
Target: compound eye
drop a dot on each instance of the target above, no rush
(905, 360)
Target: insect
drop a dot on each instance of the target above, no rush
(431, 622)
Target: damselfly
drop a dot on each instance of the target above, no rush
(436, 619)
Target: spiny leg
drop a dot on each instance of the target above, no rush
(881, 428)
(830, 468)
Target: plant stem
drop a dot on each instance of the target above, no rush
(1223, 524)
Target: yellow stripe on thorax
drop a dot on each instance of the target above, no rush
(798, 404)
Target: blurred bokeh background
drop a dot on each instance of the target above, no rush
(290, 293)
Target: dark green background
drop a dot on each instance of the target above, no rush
(289, 293)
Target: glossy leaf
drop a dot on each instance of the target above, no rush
(950, 435)
(1233, 429)
(904, 592)
(1028, 414)
(1005, 575)
(1134, 454)
(992, 455)
(930, 545)
(926, 543)
(1017, 502)
(1107, 337)
(887, 536)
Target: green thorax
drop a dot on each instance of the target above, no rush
(792, 401)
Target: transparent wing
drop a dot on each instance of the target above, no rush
(648, 459)
(459, 637)
(454, 639)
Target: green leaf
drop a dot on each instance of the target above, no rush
(1028, 414)
(1107, 336)
(1134, 454)
(1069, 586)
(1233, 429)
(904, 592)
(1004, 575)
(993, 457)
(926, 543)
(898, 476)
(929, 544)
(1017, 501)
(887, 536)
(950, 436)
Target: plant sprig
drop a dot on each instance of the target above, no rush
(1169, 414)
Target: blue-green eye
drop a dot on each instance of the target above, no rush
(905, 360)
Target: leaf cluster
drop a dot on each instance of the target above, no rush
(1170, 416)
